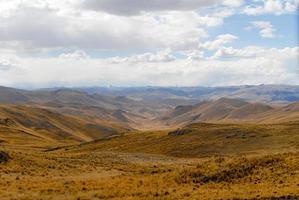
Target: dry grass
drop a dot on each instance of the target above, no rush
(108, 175)
(206, 162)
(204, 140)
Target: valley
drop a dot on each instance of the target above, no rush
(148, 144)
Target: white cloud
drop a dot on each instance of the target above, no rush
(60, 29)
(264, 66)
(247, 52)
(7, 63)
(266, 28)
(77, 55)
(233, 3)
(161, 56)
(276, 7)
(194, 55)
(265, 59)
(218, 42)
(64, 25)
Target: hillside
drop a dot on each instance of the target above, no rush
(12, 96)
(23, 124)
(202, 139)
(88, 106)
(226, 110)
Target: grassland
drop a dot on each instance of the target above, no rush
(204, 140)
(199, 161)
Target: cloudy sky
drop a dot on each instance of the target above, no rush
(46, 43)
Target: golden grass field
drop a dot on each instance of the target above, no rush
(199, 161)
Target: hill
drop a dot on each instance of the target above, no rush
(202, 139)
(226, 110)
(117, 109)
(27, 125)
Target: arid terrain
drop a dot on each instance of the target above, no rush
(78, 144)
(149, 99)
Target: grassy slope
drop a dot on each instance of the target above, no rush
(22, 124)
(226, 110)
(31, 174)
(200, 140)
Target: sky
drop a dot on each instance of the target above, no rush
(81, 43)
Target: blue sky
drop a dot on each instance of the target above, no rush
(286, 26)
(148, 42)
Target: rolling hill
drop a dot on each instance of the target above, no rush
(24, 124)
(226, 110)
(98, 107)
(203, 140)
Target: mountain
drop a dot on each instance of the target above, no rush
(157, 107)
(273, 94)
(117, 109)
(225, 110)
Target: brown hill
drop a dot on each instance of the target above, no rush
(248, 110)
(230, 110)
(294, 107)
(202, 139)
(12, 96)
(28, 124)
(117, 109)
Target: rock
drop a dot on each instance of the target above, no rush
(4, 157)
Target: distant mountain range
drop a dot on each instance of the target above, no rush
(150, 107)
(274, 94)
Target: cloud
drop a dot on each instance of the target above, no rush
(260, 53)
(266, 28)
(233, 3)
(70, 28)
(7, 64)
(161, 56)
(129, 7)
(266, 65)
(77, 55)
(230, 52)
(218, 42)
(64, 25)
(277, 7)
(194, 55)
